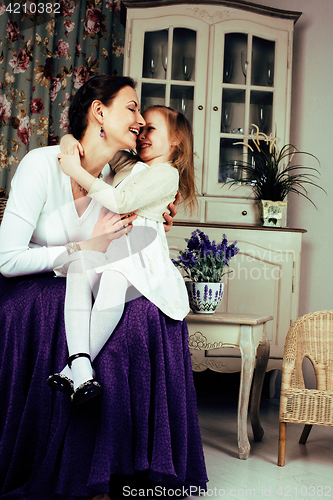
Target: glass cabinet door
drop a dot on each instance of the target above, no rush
(169, 67)
(245, 93)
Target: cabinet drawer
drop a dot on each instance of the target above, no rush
(232, 212)
(197, 215)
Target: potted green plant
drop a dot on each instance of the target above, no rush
(271, 175)
(204, 264)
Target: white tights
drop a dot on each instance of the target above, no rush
(89, 327)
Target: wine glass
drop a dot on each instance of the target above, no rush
(182, 106)
(227, 70)
(244, 62)
(234, 171)
(261, 110)
(270, 70)
(187, 66)
(153, 59)
(226, 116)
(237, 171)
(165, 57)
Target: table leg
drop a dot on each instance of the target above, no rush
(248, 352)
(258, 381)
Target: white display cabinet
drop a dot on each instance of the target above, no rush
(226, 65)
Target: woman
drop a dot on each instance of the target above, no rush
(145, 423)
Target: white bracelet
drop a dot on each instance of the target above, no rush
(72, 247)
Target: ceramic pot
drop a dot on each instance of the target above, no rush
(271, 212)
(204, 297)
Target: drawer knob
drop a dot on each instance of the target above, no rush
(244, 212)
(215, 108)
(200, 108)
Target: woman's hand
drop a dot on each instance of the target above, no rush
(109, 227)
(173, 212)
(69, 145)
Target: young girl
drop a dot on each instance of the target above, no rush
(141, 259)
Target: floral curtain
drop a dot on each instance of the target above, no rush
(48, 49)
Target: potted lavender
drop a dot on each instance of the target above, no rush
(204, 264)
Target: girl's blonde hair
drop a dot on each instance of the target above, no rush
(179, 129)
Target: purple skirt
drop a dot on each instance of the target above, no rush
(145, 421)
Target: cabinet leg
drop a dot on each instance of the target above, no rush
(258, 381)
(248, 350)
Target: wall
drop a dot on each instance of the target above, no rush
(311, 130)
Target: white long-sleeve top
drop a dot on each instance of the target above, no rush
(148, 192)
(142, 257)
(41, 216)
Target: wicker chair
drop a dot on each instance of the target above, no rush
(310, 336)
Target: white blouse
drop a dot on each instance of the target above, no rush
(142, 256)
(41, 216)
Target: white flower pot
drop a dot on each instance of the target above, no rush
(204, 297)
(272, 212)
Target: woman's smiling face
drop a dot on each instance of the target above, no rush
(122, 119)
(153, 143)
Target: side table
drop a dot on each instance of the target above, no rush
(247, 333)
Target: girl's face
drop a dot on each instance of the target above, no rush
(122, 120)
(153, 144)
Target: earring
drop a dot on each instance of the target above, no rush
(102, 132)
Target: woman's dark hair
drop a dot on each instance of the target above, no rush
(103, 88)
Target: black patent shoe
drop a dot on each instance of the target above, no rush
(86, 391)
(61, 383)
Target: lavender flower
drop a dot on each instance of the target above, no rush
(203, 260)
(205, 292)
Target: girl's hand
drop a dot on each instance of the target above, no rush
(70, 163)
(69, 145)
(173, 212)
(109, 227)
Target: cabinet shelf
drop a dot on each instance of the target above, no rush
(169, 82)
(240, 227)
